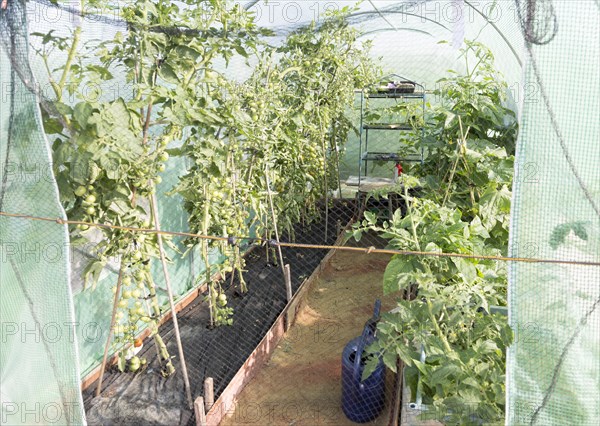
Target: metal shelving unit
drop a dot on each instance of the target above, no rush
(405, 91)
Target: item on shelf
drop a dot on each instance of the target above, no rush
(398, 87)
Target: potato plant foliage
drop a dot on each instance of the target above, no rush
(463, 206)
(279, 132)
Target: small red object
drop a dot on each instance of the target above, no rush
(399, 168)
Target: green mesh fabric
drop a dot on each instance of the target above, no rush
(554, 365)
(39, 370)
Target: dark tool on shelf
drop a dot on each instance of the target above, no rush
(397, 87)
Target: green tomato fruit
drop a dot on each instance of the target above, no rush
(127, 280)
(136, 293)
(164, 156)
(126, 294)
(122, 303)
(90, 188)
(134, 364)
(229, 321)
(161, 168)
(90, 210)
(157, 180)
(90, 199)
(80, 191)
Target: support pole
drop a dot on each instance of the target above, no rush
(396, 405)
(163, 261)
(199, 411)
(110, 330)
(274, 220)
(209, 393)
(288, 282)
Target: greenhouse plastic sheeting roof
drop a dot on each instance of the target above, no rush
(406, 34)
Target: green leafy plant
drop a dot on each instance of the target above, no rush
(109, 152)
(446, 319)
(443, 328)
(470, 135)
(262, 152)
(268, 153)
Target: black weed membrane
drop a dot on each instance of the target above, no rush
(148, 398)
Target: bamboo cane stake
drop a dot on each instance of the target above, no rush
(270, 196)
(110, 330)
(163, 261)
(288, 282)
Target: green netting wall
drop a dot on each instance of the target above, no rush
(554, 365)
(39, 364)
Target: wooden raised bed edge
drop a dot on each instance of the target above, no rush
(225, 404)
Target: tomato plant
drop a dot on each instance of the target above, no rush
(463, 208)
(470, 137)
(109, 153)
(279, 132)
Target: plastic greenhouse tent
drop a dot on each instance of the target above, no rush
(72, 95)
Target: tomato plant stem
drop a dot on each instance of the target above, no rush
(460, 151)
(70, 58)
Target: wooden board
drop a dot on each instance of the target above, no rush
(367, 180)
(225, 405)
(226, 402)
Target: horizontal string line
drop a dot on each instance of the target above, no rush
(301, 245)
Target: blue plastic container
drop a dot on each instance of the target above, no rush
(362, 401)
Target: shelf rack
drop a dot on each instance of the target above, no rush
(406, 91)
